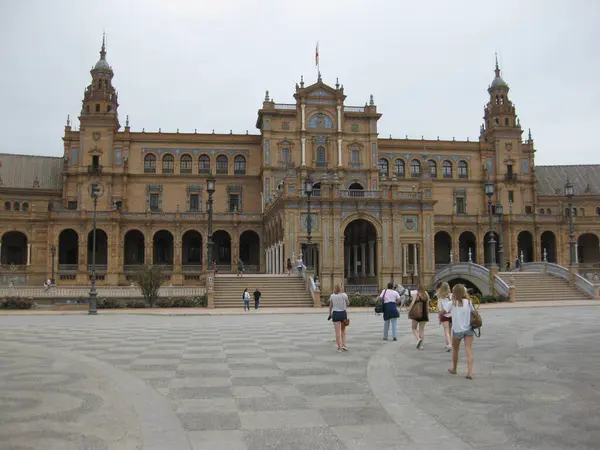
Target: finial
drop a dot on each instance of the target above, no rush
(301, 81)
(497, 69)
(127, 120)
(177, 130)
(68, 120)
(337, 83)
(371, 102)
(519, 122)
(267, 96)
(103, 48)
(143, 130)
(213, 131)
(390, 136)
(246, 131)
(530, 139)
(438, 138)
(467, 138)
(470, 255)
(319, 80)
(159, 130)
(230, 131)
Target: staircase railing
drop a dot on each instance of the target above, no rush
(474, 270)
(312, 286)
(559, 271)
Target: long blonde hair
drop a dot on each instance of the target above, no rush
(422, 293)
(458, 294)
(337, 289)
(444, 291)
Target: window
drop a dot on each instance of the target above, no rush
(548, 211)
(463, 169)
(574, 210)
(321, 157)
(95, 162)
(108, 108)
(400, 168)
(567, 212)
(383, 167)
(239, 165)
(598, 211)
(154, 202)
(185, 164)
(509, 170)
(415, 168)
(286, 156)
(16, 206)
(222, 164)
(87, 109)
(528, 209)
(447, 169)
(72, 205)
(203, 164)
(432, 168)
(149, 164)
(194, 202)
(97, 107)
(99, 84)
(460, 205)
(541, 211)
(6, 206)
(511, 196)
(25, 207)
(506, 122)
(234, 202)
(320, 120)
(355, 156)
(168, 164)
(119, 205)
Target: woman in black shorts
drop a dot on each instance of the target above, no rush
(338, 306)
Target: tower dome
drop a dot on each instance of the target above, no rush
(102, 64)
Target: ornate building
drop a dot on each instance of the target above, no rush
(381, 209)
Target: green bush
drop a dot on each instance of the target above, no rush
(135, 303)
(17, 303)
(108, 303)
(183, 302)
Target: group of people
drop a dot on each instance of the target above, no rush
(454, 306)
(246, 297)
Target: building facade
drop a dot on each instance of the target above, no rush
(381, 209)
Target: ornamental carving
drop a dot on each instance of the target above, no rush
(96, 135)
(285, 125)
(355, 127)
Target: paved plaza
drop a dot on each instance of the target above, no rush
(274, 381)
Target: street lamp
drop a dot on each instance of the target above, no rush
(308, 190)
(499, 212)
(210, 188)
(570, 192)
(489, 191)
(52, 255)
(95, 192)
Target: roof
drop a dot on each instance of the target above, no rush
(28, 171)
(551, 180)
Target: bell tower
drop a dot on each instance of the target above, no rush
(499, 114)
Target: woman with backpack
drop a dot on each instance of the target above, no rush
(389, 300)
(418, 312)
(461, 307)
(246, 297)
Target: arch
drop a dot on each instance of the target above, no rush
(316, 192)
(447, 169)
(222, 165)
(415, 168)
(222, 248)
(204, 163)
(68, 247)
(487, 257)
(134, 248)
(239, 165)
(598, 211)
(250, 250)
(14, 248)
(149, 163)
(191, 248)
(399, 168)
(432, 168)
(384, 167)
(442, 248)
(7, 206)
(25, 207)
(101, 247)
(356, 186)
(321, 157)
(168, 163)
(548, 211)
(17, 206)
(467, 241)
(463, 169)
(360, 252)
(163, 248)
(320, 121)
(472, 287)
(525, 245)
(548, 244)
(581, 212)
(588, 248)
(185, 164)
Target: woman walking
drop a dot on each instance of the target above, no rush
(289, 266)
(444, 296)
(390, 299)
(418, 311)
(461, 307)
(338, 306)
(246, 297)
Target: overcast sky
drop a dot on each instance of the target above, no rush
(206, 64)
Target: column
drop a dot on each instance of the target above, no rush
(303, 151)
(363, 259)
(339, 118)
(355, 272)
(277, 258)
(281, 258)
(347, 261)
(404, 259)
(371, 258)
(303, 107)
(0, 251)
(416, 260)
(28, 254)
(339, 152)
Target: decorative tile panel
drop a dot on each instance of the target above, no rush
(314, 222)
(410, 223)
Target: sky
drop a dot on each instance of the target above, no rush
(202, 64)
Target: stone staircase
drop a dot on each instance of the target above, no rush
(537, 286)
(278, 291)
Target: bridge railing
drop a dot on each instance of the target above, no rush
(71, 292)
(476, 271)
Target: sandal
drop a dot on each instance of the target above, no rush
(452, 372)
(468, 377)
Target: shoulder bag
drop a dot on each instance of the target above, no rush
(416, 312)
(476, 320)
(379, 306)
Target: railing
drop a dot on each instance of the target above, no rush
(132, 268)
(165, 267)
(359, 193)
(94, 170)
(103, 291)
(289, 106)
(511, 177)
(224, 268)
(355, 165)
(562, 272)
(287, 164)
(67, 268)
(409, 195)
(354, 109)
(100, 268)
(321, 164)
(191, 268)
(361, 288)
(475, 271)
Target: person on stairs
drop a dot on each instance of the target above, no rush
(257, 295)
(246, 297)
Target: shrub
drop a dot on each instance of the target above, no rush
(17, 303)
(108, 303)
(149, 280)
(183, 302)
(135, 303)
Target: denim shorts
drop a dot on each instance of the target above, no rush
(462, 334)
(339, 316)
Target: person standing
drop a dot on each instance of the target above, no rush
(240, 268)
(420, 315)
(461, 307)
(289, 266)
(338, 306)
(390, 299)
(444, 296)
(517, 263)
(257, 295)
(246, 297)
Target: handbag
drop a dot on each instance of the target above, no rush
(379, 306)
(476, 320)
(416, 312)
(346, 323)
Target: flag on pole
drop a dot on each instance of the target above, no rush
(317, 55)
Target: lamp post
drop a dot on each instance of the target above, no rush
(95, 192)
(570, 192)
(210, 188)
(308, 190)
(52, 256)
(489, 191)
(499, 212)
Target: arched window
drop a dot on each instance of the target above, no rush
(548, 211)
(185, 164)
(567, 212)
(582, 212)
(25, 207)
(321, 160)
(149, 163)
(574, 212)
(99, 84)
(507, 122)
(399, 168)
(7, 206)
(286, 154)
(16, 206)
(415, 168)
(542, 211)
(320, 121)
(463, 169)
(447, 169)
(432, 168)
(598, 211)
(203, 164)
(384, 170)
(222, 165)
(239, 165)
(168, 164)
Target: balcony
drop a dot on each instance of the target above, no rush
(288, 106)
(355, 165)
(100, 268)
(94, 170)
(359, 193)
(320, 164)
(191, 268)
(511, 177)
(287, 164)
(358, 109)
(409, 195)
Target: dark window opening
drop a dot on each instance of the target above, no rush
(99, 84)
(234, 202)
(511, 196)
(528, 209)
(195, 202)
(185, 164)
(415, 168)
(168, 164)
(95, 162)
(6, 206)
(72, 205)
(87, 109)
(25, 207)
(509, 170)
(400, 168)
(204, 164)
(154, 200)
(222, 165)
(16, 206)
(460, 205)
(119, 205)
(239, 165)
(97, 107)
(109, 108)
(149, 164)
(506, 122)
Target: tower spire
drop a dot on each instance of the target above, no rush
(103, 48)
(497, 69)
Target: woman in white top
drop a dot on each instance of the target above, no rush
(461, 307)
(390, 299)
(444, 296)
(338, 305)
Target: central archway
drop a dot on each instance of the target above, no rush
(443, 247)
(222, 250)
(163, 248)
(548, 245)
(101, 250)
(467, 243)
(250, 251)
(14, 248)
(525, 246)
(360, 253)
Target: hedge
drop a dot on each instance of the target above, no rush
(17, 303)
(169, 302)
